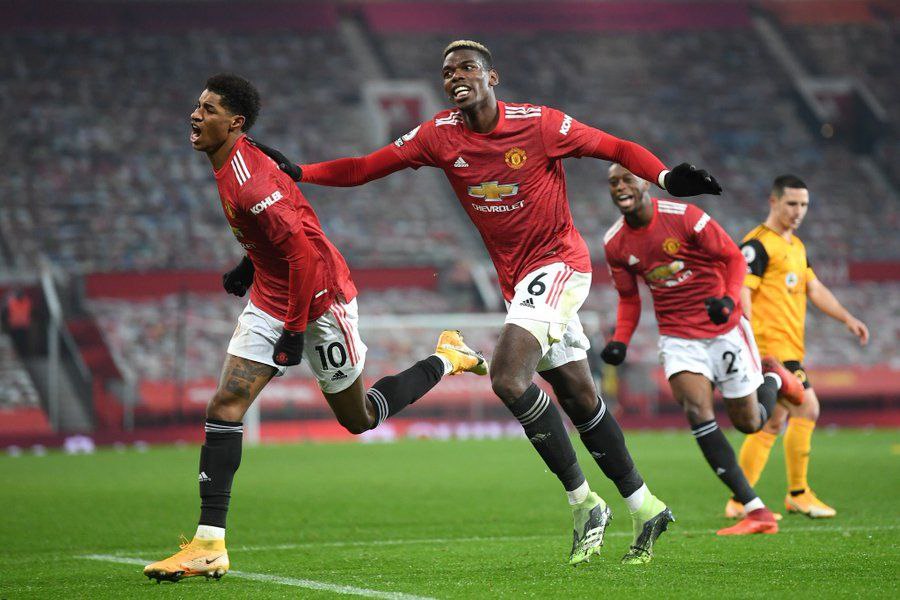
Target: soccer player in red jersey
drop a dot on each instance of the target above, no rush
(504, 163)
(302, 302)
(695, 273)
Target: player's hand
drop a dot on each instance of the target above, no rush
(614, 353)
(719, 309)
(858, 328)
(293, 171)
(688, 180)
(239, 279)
(288, 349)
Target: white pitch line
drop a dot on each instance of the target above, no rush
(291, 581)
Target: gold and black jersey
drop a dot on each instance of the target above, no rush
(778, 272)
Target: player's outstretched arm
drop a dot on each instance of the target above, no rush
(342, 172)
(628, 314)
(822, 298)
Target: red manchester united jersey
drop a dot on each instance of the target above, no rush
(684, 257)
(511, 182)
(298, 272)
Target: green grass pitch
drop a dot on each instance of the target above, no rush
(460, 519)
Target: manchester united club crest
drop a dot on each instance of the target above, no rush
(671, 246)
(515, 158)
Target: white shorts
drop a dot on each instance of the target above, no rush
(331, 347)
(730, 361)
(546, 303)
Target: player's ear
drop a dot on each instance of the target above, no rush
(493, 78)
(237, 122)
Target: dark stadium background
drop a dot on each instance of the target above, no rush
(112, 238)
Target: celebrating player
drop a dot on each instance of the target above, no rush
(694, 272)
(774, 295)
(503, 161)
(302, 302)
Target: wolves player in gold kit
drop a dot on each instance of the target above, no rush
(779, 280)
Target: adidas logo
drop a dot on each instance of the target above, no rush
(338, 375)
(203, 478)
(632, 260)
(719, 471)
(460, 163)
(527, 302)
(745, 379)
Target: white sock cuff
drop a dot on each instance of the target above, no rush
(754, 504)
(448, 366)
(635, 500)
(579, 494)
(208, 532)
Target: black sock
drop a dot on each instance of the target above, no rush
(220, 458)
(603, 437)
(393, 393)
(767, 395)
(548, 435)
(720, 456)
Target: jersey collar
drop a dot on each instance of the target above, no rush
(501, 121)
(238, 144)
(648, 226)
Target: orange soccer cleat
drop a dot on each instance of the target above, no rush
(808, 504)
(735, 510)
(760, 520)
(791, 389)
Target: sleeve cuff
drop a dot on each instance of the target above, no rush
(661, 180)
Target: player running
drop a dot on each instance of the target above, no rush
(503, 162)
(779, 281)
(694, 272)
(302, 302)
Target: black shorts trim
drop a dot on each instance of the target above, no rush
(797, 369)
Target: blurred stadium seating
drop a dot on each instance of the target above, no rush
(99, 176)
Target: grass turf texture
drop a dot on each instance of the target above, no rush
(443, 519)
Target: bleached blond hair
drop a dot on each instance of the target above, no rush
(471, 45)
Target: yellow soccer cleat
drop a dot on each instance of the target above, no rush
(807, 504)
(452, 347)
(197, 557)
(734, 510)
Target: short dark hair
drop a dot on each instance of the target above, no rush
(786, 181)
(480, 48)
(238, 95)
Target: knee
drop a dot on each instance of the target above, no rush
(225, 407)
(697, 413)
(580, 407)
(354, 426)
(747, 423)
(508, 388)
(809, 410)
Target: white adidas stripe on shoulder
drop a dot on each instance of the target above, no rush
(522, 108)
(522, 112)
(453, 118)
(667, 206)
(612, 231)
(702, 223)
(241, 172)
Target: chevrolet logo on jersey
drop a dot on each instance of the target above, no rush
(493, 191)
(664, 272)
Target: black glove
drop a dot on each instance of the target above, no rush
(614, 353)
(288, 349)
(688, 180)
(293, 171)
(237, 280)
(719, 309)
